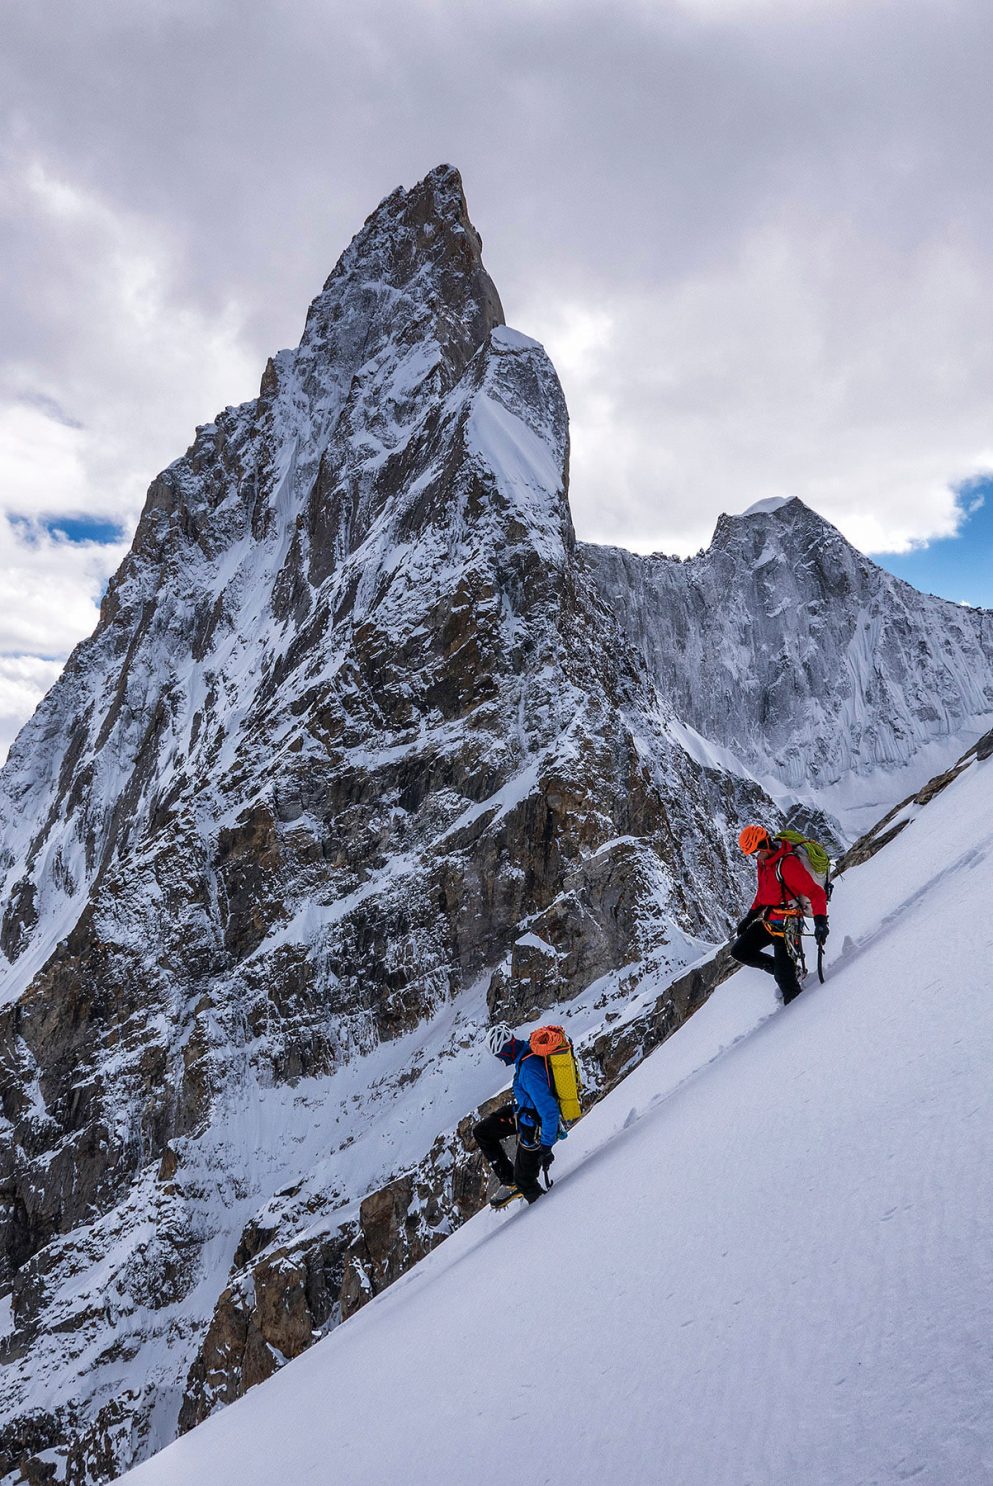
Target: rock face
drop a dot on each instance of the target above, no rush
(788, 647)
(357, 758)
(282, 1297)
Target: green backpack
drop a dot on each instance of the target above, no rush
(811, 855)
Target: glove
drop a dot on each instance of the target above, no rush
(820, 928)
(747, 921)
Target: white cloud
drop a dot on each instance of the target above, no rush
(121, 362)
(41, 464)
(811, 363)
(50, 589)
(24, 680)
(762, 10)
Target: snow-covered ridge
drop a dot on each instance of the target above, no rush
(788, 648)
(767, 506)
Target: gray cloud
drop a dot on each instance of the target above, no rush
(756, 237)
(51, 409)
(596, 140)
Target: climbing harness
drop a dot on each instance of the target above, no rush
(792, 935)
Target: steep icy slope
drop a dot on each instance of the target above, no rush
(765, 1259)
(786, 647)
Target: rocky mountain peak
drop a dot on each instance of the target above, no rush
(414, 271)
(780, 520)
(300, 543)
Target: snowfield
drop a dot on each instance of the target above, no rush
(766, 1261)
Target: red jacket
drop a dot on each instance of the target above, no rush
(797, 882)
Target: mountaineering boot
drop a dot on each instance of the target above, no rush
(505, 1194)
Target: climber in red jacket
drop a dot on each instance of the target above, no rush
(782, 882)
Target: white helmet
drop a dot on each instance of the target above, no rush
(497, 1038)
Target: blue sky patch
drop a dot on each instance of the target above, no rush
(959, 568)
(83, 529)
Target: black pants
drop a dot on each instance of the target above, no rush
(748, 949)
(526, 1168)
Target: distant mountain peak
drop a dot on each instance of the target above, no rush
(804, 659)
(779, 519)
(768, 506)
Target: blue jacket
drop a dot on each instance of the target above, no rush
(536, 1102)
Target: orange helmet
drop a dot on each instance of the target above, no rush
(752, 837)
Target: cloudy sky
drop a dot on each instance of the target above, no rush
(755, 236)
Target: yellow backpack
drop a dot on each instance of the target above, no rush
(551, 1044)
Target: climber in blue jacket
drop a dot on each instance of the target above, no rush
(532, 1115)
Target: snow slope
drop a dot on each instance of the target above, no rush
(766, 1260)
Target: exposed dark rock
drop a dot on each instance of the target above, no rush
(984, 748)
